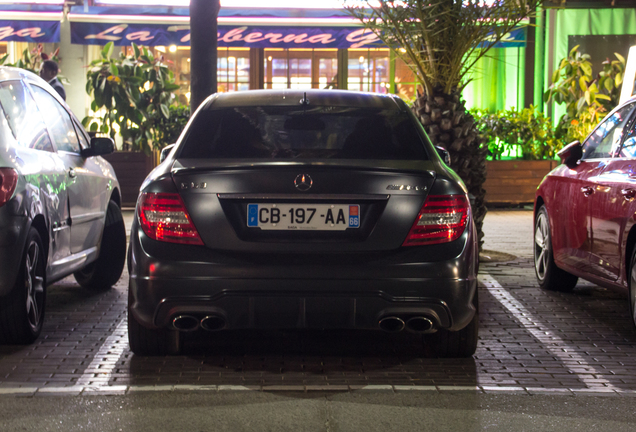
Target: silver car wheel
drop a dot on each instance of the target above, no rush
(34, 285)
(541, 245)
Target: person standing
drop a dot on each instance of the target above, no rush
(48, 72)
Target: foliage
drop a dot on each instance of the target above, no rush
(587, 98)
(440, 40)
(527, 132)
(130, 91)
(31, 60)
(167, 130)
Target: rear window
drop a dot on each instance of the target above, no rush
(284, 132)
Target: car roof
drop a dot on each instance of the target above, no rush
(293, 98)
(11, 73)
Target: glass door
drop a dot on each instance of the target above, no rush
(300, 68)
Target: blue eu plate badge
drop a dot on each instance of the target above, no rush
(252, 215)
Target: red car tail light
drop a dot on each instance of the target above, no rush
(8, 182)
(442, 219)
(163, 217)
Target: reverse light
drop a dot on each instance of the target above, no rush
(8, 182)
(442, 219)
(163, 217)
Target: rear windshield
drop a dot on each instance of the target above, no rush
(284, 132)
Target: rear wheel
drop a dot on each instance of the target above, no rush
(107, 269)
(22, 310)
(454, 344)
(632, 288)
(549, 276)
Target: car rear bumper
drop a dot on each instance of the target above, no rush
(13, 233)
(243, 294)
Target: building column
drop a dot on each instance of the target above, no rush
(257, 68)
(551, 41)
(343, 68)
(539, 58)
(531, 35)
(73, 67)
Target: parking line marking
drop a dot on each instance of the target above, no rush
(542, 333)
(100, 370)
(106, 390)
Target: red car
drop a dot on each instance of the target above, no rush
(585, 211)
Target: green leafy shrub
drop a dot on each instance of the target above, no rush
(526, 133)
(587, 98)
(167, 130)
(132, 92)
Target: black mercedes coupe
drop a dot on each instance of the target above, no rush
(303, 210)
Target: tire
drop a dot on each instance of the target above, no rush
(454, 344)
(22, 310)
(631, 283)
(148, 342)
(549, 276)
(104, 272)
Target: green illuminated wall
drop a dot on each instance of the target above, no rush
(563, 23)
(497, 80)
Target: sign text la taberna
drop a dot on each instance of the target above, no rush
(243, 36)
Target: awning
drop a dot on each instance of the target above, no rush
(29, 31)
(228, 36)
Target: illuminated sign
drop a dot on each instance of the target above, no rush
(228, 36)
(29, 31)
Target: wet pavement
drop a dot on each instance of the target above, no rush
(531, 342)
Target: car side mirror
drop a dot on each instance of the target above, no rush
(99, 146)
(571, 154)
(165, 152)
(444, 154)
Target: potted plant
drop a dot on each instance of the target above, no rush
(522, 146)
(133, 96)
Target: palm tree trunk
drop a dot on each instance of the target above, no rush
(451, 126)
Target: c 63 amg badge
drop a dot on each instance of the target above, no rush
(193, 185)
(406, 188)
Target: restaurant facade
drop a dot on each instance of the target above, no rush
(285, 45)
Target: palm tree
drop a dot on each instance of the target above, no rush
(440, 41)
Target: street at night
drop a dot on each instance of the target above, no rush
(545, 361)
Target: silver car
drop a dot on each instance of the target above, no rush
(59, 204)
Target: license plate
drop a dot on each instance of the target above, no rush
(319, 217)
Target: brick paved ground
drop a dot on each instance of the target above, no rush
(530, 341)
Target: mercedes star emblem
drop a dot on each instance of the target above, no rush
(303, 182)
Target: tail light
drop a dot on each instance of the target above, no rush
(163, 217)
(442, 219)
(8, 182)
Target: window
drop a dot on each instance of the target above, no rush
(300, 68)
(629, 145)
(57, 121)
(369, 70)
(604, 142)
(22, 117)
(289, 132)
(84, 141)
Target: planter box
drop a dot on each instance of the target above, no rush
(131, 169)
(515, 182)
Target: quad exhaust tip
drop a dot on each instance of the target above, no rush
(185, 323)
(416, 324)
(213, 323)
(391, 324)
(419, 324)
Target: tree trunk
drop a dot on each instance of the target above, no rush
(449, 125)
(203, 55)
